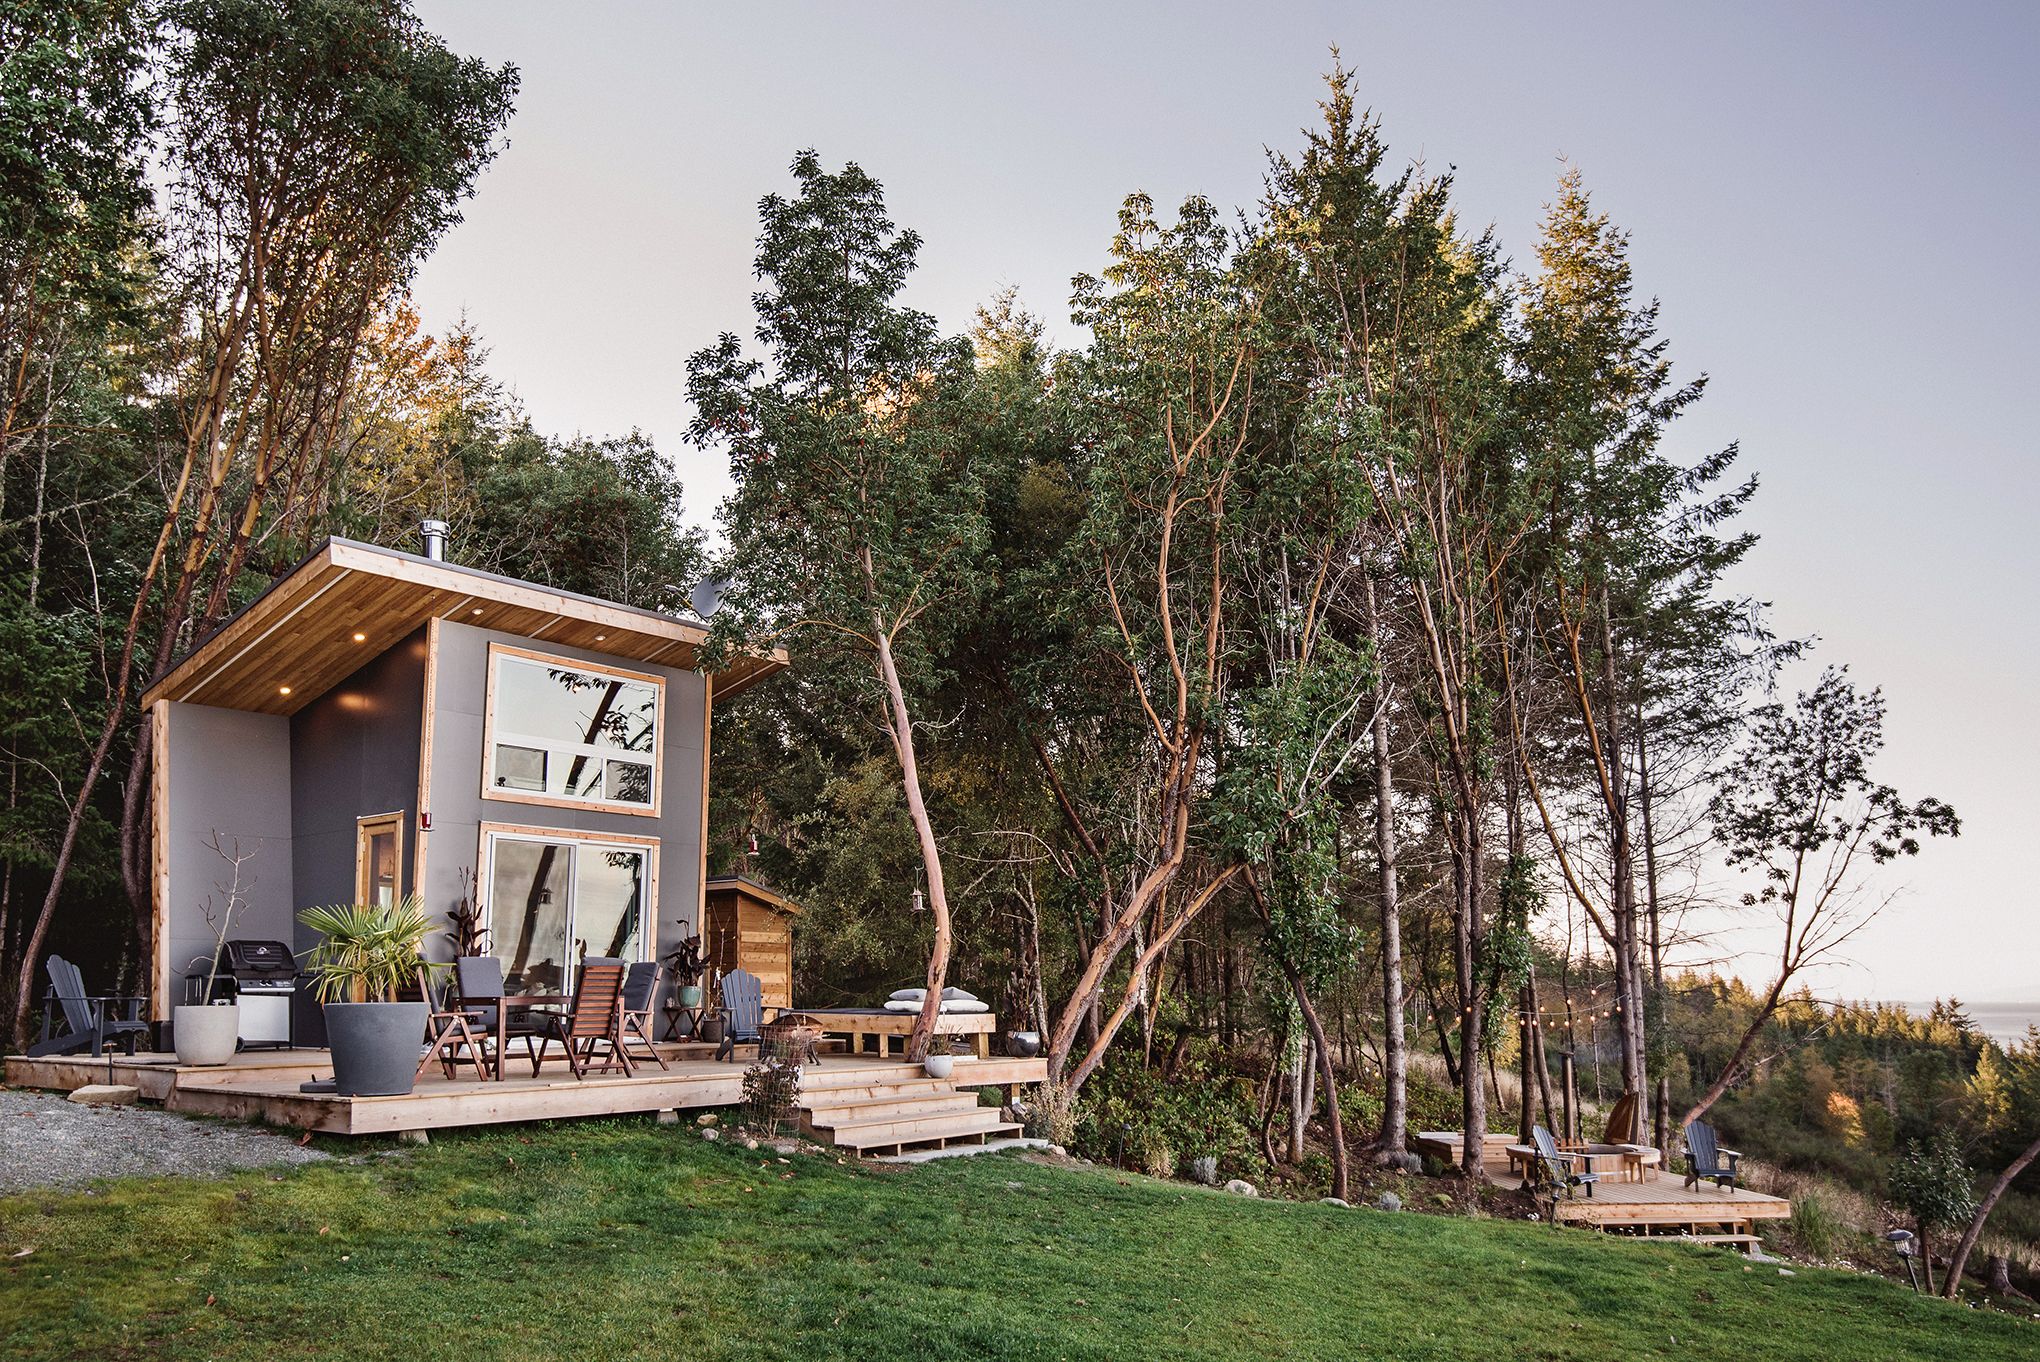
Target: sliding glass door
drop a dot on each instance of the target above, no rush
(553, 900)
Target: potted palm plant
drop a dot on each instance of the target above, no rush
(366, 956)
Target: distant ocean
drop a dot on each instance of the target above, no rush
(2004, 1023)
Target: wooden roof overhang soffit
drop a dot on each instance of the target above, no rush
(347, 602)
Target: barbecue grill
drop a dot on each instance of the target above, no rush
(261, 976)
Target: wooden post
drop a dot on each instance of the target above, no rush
(1569, 1077)
(1528, 1002)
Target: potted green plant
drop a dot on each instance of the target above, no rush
(366, 956)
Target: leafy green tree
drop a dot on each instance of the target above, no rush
(1801, 810)
(857, 518)
(1935, 1186)
(316, 149)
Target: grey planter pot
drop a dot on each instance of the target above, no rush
(206, 1034)
(690, 995)
(375, 1047)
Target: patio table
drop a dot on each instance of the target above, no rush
(525, 1000)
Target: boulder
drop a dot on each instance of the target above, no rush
(1238, 1187)
(107, 1095)
(710, 1133)
(706, 1119)
(1388, 1201)
(1335, 1201)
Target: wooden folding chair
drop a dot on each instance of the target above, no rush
(446, 1032)
(595, 1019)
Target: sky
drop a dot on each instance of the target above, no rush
(1837, 205)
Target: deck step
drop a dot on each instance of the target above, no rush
(894, 1131)
(1004, 1132)
(832, 1112)
(866, 1092)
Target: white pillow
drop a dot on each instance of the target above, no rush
(909, 1005)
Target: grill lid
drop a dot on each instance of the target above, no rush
(260, 961)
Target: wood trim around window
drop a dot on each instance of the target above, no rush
(657, 754)
(367, 828)
(485, 870)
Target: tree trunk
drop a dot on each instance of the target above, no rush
(1396, 1058)
(1468, 942)
(1328, 1076)
(931, 854)
(1983, 1210)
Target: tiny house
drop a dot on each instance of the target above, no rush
(380, 723)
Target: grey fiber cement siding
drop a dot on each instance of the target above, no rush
(353, 755)
(459, 808)
(229, 775)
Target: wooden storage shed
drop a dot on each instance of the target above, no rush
(750, 927)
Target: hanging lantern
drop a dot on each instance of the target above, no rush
(920, 901)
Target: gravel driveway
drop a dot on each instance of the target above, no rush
(46, 1141)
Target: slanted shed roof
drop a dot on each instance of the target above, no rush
(752, 889)
(349, 601)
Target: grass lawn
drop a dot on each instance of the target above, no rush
(626, 1239)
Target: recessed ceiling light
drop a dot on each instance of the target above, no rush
(283, 690)
(360, 638)
(600, 637)
(476, 611)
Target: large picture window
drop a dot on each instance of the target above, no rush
(553, 900)
(566, 732)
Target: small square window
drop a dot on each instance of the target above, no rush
(629, 783)
(520, 768)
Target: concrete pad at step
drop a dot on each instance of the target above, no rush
(107, 1095)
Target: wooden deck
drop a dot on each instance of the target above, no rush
(1660, 1203)
(263, 1086)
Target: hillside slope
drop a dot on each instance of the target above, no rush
(628, 1240)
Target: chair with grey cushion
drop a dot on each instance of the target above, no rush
(1704, 1158)
(90, 1020)
(479, 979)
(640, 991)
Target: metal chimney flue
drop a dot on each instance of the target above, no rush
(433, 533)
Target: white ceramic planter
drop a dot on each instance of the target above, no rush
(205, 1035)
(939, 1066)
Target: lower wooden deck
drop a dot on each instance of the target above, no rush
(1660, 1202)
(264, 1087)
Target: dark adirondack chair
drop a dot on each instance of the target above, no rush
(91, 1020)
(1704, 1156)
(743, 1009)
(1555, 1169)
(449, 1032)
(640, 990)
(594, 1021)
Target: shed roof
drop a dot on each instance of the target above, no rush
(752, 889)
(348, 601)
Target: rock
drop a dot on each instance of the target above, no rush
(414, 1137)
(750, 1144)
(1238, 1187)
(1388, 1201)
(1335, 1201)
(107, 1095)
(1058, 1151)
(710, 1133)
(1204, 1169)
(707, 1118)
(1787, 1272)
(669, 1117)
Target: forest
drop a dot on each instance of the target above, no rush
(1314, 702)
